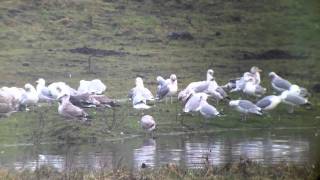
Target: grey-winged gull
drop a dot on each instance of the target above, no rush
(146, 93)
(53, 87)
(207, 110)
(301, 91)
(292, 99)
(278, 83)
(94, 86)
(245, 107)
(167, 87)
(43, 92)
(214, 90)
(30, 97)
(269, 102)
(197, 87)
(253, 89)
(193, 102)
(140, 95)
(68, 110)
(238, 84)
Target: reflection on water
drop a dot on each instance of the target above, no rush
(145, 154)
(187, 150)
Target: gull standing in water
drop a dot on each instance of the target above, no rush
(147, 123)
(167, 87)
(245, 107)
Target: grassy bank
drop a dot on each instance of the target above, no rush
(245, 169)
(37, 36)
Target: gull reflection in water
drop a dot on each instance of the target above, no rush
(198, 153)
(145, 154)
(55, 161)
(273, 151)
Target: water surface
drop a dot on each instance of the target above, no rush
(268, 147)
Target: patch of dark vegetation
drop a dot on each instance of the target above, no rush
(26, 64)
(266, 55)
(14, 12)
(218, 33)
(68, 65)
(316, 88)
(97, 52)
(235, 18)
(183, 35)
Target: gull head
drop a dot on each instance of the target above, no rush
(233, 103)
(173, 77)
(41, 81)
(255, 69)
(272, 74)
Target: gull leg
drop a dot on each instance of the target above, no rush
(291, 109)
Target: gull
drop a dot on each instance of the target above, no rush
(214, 90)
(207, 110)
(140, 95)
(84, 100)
(53, 87)
(193, 102)
(292, 99)
(197, 87)
(255, 73)
(146, 93)
(253, 89)
(43, 92)
(8, 104)
(104, 101)
(15, 92)
(201, 86)
(301, 91)
(278, 83)
(238, 84)
(245, 107)
(93, 87)
(167, 87)
(30, 97)
(68, 110)
(147, 123)
(269, 102)
(139, 101)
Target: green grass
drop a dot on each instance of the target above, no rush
(29, 29)
(245, 169)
